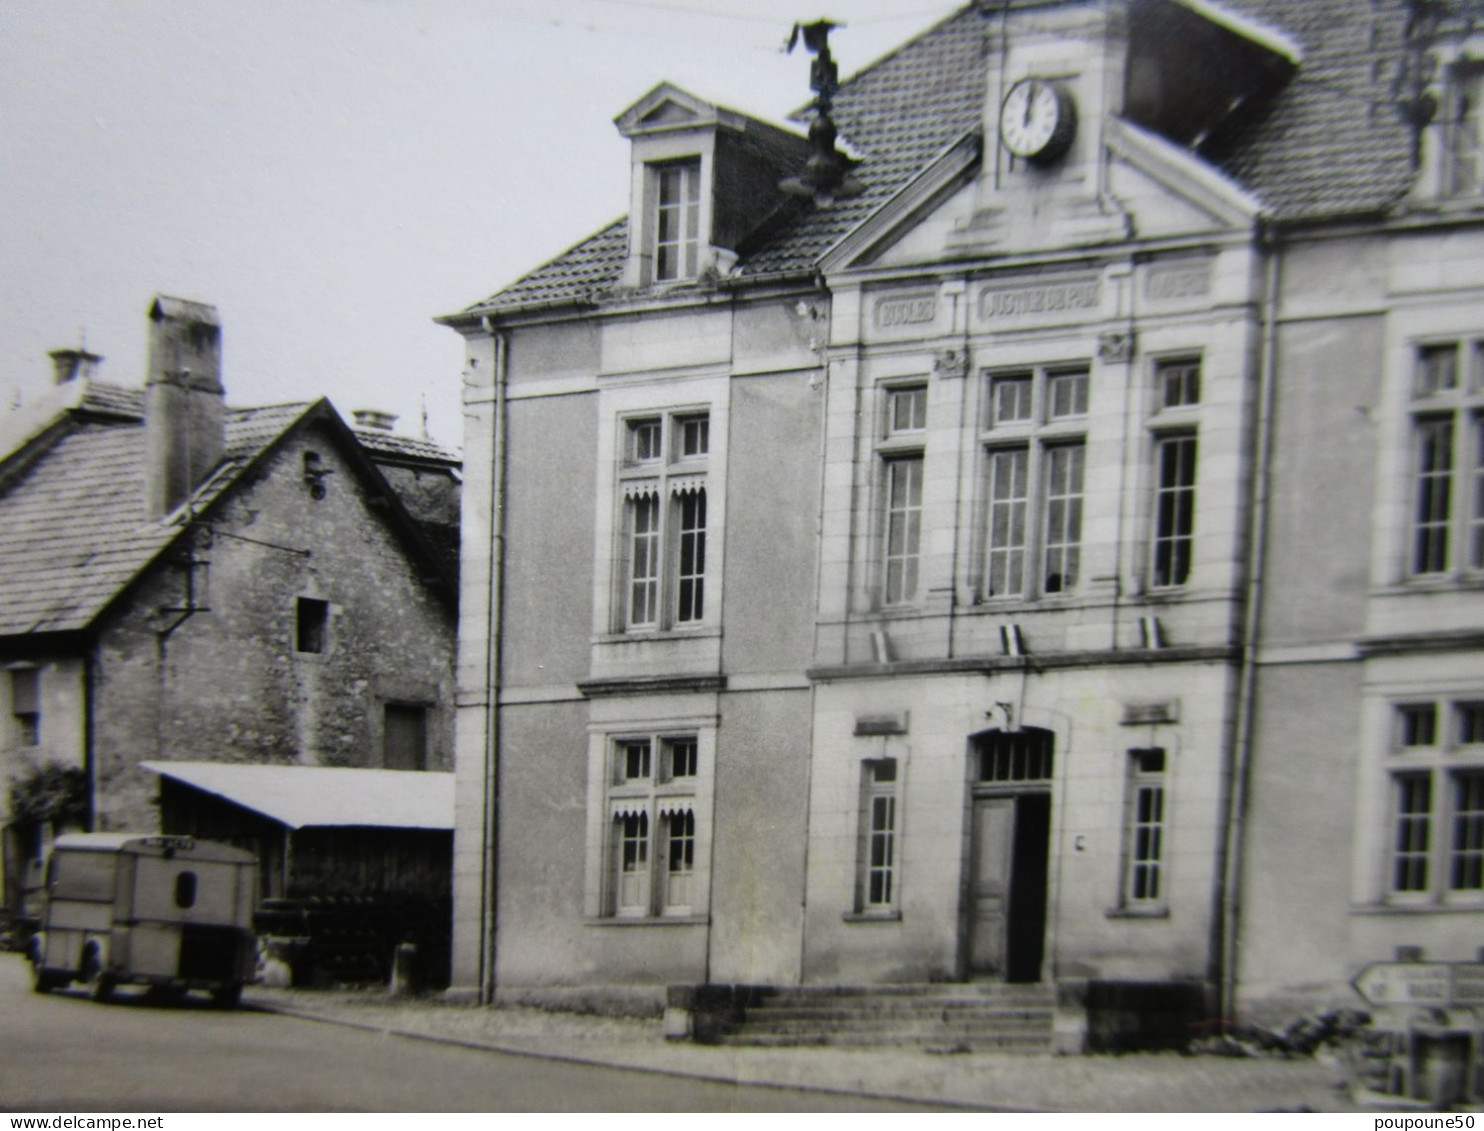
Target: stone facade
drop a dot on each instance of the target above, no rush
(1092, 543)
(289, 608)
(230, 682)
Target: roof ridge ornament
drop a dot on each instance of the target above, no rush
(826, 176)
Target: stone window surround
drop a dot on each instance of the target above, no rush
(606, 793)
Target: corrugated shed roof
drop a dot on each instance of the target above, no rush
(1329, 144)
(322, 796)
(76, 527)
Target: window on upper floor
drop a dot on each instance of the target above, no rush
(1178, 382)
(676, 192)
(1035, 464)
(1177, 389)
(1447, 531)
(1174, 509)
(311, 625)
(25, 705)
(663, 484)
(1436, 785)
(1465, 133)
(651, 867)
(899, 449)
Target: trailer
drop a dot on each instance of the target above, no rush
(169, 912)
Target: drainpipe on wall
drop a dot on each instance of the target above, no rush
(90, 733)
(1236, 814)
(823, 357)
(490, 853)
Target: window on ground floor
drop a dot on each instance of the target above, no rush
(1145, 823)
(877, 857)
(1435, 849)
(651, 816)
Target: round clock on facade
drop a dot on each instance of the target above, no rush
(1037, 121)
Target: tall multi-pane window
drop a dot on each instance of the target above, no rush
(1447, 472)
(1466, 853)
(1174, 509)
(1064, 465)
(691, 567)
(1413, 832)
(664, 532)
(903, 528)
(1009, 496)
(1035, 460)
(877, 882)
(1436, 844)
(644, 559)
(1144, 854)
(900, 449)
(652, 826)
(677, 221)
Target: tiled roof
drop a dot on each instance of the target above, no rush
(76, 529)
(1329, 143)
(573, 276)
(1332, 142)
(379, 442)
(112, 400)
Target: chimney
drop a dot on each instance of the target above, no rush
(74, 365)
(183, 412)
(375, 419)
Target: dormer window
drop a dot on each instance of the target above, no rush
(1466, 143)
(703, 179)
(677, 222)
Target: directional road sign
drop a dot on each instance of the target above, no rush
(1437, 984)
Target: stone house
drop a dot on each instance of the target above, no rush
(181, 581)
(1042, 546)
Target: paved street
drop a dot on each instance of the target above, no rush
(63, 1053)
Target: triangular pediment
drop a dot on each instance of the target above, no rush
(1155, 190)
(667, 107)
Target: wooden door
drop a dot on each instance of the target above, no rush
(990, 872)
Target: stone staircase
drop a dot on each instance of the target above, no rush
(967, 1017)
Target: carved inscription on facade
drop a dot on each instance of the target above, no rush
(1057, 300)
(905, 310)
(1175, 282)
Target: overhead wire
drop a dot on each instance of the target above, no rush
(584, 22)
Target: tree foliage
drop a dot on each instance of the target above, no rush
(50, 794)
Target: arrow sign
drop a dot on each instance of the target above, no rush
(1436, 984)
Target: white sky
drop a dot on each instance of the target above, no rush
(332, 174)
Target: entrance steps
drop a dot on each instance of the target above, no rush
(968, 1017)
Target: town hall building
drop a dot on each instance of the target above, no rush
(1036, 542)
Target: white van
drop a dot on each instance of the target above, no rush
(169, 912)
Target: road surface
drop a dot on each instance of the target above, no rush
(61, 1054)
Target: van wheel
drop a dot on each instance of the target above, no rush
(42, 982)
(227, 997)
(95, 978)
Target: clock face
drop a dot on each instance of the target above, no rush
(1037, 121)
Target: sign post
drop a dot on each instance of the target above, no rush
(1426, 1053)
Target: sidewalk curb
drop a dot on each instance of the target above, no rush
(595, 1062)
